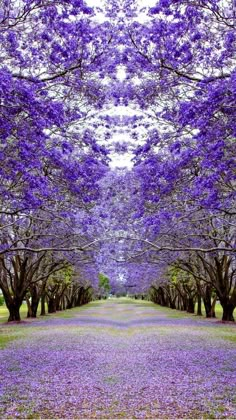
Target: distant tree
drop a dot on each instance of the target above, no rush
(104, 284)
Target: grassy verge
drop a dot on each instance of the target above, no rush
(173, 313)
(12, 331)
(69, 313)
(6, 338)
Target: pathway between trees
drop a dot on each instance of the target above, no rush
(119, 359)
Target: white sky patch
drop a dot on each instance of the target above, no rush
(121, 160)
(121, 73)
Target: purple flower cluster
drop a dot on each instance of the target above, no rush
(139, 368)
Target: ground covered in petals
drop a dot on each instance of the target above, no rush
(118, 359)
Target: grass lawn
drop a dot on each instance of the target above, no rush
(173, 313)
(69, 313)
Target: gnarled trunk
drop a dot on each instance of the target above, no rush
(228, 309)
(14, 313)
(14, 310)
(13, 305)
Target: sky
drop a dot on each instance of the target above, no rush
(123, 160)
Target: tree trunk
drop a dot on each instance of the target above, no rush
(58, 305)
(228, 310)
(29, 313)
(51, 305)
(199, 305)
(184, 304)
(172, 304)
(13, 305)
(43, 308)
(207, 301)
(190, 305)
(34, 307)
(69, 304)
(213, 314)
(14, 312)
(163, 301)
(63, 303)
(80, 296)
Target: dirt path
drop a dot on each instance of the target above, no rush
(119, 359)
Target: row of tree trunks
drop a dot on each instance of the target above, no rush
(59, 297)
(185, 298)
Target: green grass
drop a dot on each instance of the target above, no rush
(5, 339)
(230, 338)
(130, 301)
(10, 332)
(173, 313)
(69, 313)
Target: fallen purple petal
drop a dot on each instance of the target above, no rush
(119, 361)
